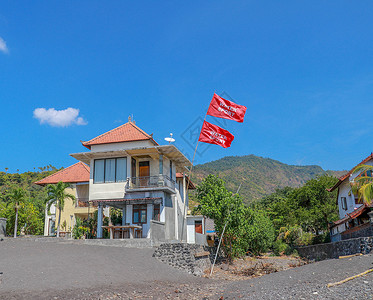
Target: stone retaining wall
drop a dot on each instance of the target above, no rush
(362, 245)
(194, 259)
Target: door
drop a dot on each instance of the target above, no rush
(198, 226)
(144, 173)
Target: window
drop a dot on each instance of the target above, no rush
(121, 169)
(139, 214)
(171, 170)
(156, 212)
(344, 203)
(358, 201)
(110, 170)
(99, 172)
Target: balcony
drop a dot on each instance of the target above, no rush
(150, 183)
(83, 202)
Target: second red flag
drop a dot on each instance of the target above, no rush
(213, 134)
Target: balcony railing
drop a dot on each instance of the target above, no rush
(146, 182)
(83, 202)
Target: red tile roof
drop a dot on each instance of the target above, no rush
(78, 172)
(191, 184)
(128, 132)
(353, 215)
(347, 175)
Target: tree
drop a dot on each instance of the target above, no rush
(246, 230)
(57, 195)
(16, 196)
(362, 184)
(311, 206)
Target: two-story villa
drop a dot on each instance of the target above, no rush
(129, 170)
(354, 219)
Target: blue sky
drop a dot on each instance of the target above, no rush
(302, 68)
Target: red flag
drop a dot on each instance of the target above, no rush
(222, 108)
(213, 134)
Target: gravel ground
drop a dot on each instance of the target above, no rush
(54, 270)
(310, 282)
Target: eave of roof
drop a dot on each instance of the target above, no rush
(347, 175)
(169, 151)
(353, 215)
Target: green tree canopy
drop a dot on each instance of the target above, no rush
(246, 230)
(311, 206)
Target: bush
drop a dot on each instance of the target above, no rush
(281, 248)
(79, 231)
(259, 233)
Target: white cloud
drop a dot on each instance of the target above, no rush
(3, 47)
(59, 118)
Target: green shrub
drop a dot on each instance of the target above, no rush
(258, 232)
(281, 248)
(79, 231)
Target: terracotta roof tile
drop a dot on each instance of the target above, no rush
(347, 175)
(78, 172)
(125, 133)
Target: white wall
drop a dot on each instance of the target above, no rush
(191, 228)
(49, 215)
(121, 146)
(345, 191)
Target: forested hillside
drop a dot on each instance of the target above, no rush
(259, 176)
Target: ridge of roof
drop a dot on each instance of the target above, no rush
(95, 140)
(343, 177)
(77, 168)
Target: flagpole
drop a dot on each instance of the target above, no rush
(190, 174)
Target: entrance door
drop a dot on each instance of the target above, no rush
(144, 173)
(198, 226)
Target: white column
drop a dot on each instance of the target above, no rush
(160, 164)
(124, 216)
(176, 220)
(99, 221)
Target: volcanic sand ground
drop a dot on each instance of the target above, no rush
(32, 269)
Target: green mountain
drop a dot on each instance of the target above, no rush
(259, 176)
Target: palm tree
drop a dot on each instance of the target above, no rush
(362, 184)
(57, 195)
(17, 196)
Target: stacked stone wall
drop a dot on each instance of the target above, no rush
(192, 258)
(362, 245)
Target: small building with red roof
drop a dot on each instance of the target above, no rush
(78, 176)
(354, 216)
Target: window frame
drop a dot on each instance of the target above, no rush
(104, 170)
(344, 203)
(145, 208)
(156, 207)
